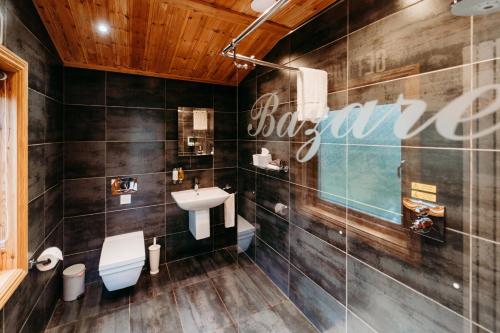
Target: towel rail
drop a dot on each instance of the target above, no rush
(230, 50)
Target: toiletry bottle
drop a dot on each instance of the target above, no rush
(181, 175)
(175, 176)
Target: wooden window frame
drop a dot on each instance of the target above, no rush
(14, 257)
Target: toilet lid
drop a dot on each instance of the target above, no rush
(122, 250)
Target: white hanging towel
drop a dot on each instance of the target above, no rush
(312, 94)
(200, 122)
(229, 212)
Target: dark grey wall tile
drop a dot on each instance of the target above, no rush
(54, 128)
(245, 151)
(84, 123)
(176, 219)
(327, 314)
(53, 164)
(84, 196)
(246, 209)
(272, 191)
(188, 94)
(225, 177)
(276, 82)
(485, 275)
(132, 124)
(275, 266)
(84, 233)
(329, 225)
(151, 220)
(332, 59)
(484, 31)
(26, 12)
(413, 311)
(321, 262)
(36, 170)
(419, 269)
(37, 117)
(84, 159)
(36, 230)
(485, 194)
(151, 191)
(247, 93)
(171, 124)
(202, 162)
(53, 208)
(183, 244)
(273, 230)
(365, 12)
(23, 300)
(246, 184)
(22, 42)
(224, 237)
(134, 91)
(325, 28)
(135, 158)
(83, 86)
(225, 125)
(225, 154)
(445, 38)
(172, 159)
(225, 98)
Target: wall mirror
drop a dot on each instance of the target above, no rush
(196, 131)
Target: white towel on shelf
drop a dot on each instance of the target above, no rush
(229, 212)
(312, 94)
(200, 122)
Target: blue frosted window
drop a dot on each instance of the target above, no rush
(363, 173)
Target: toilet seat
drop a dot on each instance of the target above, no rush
(122, 250)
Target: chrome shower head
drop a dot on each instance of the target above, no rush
(474, 7)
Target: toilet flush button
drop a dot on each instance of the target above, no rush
(125, 199)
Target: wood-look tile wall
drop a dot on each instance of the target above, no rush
(31, 305)
(338, 276)
(126, 125)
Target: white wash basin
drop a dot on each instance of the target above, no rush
(204, 198)
(198, 203)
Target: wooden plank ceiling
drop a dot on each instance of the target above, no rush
(179, 39)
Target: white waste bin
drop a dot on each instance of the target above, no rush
(73, 282)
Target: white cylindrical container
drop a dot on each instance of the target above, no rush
(154, 257)
(73, 282)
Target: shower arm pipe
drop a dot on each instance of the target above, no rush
(230, 50)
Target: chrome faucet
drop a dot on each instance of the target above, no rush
(196, 184)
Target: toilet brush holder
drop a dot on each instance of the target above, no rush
(154, 258)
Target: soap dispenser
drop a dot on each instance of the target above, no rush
(181, 175)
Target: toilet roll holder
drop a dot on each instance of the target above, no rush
(33, 262)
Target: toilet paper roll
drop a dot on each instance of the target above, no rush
(54, 254)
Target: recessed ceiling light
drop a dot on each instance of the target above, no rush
(103, 28)
(261, 5)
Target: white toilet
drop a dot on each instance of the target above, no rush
(246, 231)
(122, 259)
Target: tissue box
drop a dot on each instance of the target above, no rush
(261, 160)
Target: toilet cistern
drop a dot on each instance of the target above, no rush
(198, 202)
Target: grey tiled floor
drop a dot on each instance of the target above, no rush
(212, 293)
